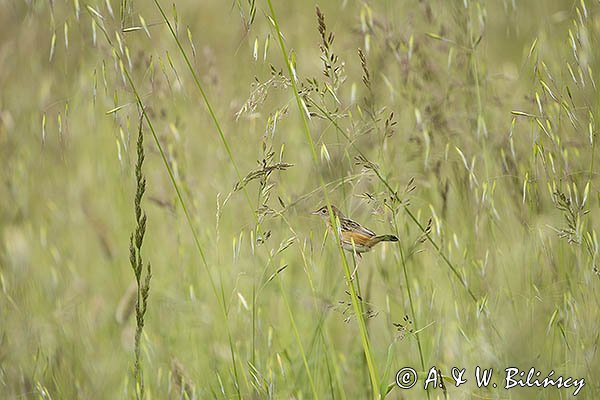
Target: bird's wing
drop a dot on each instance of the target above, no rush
(359, 238)
(349, 225)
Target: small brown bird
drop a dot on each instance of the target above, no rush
(353, 236)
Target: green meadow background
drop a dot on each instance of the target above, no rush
(466, 128)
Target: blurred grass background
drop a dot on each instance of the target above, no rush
(495, 115)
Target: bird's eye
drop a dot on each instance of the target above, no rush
(323, 211)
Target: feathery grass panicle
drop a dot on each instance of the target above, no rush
(333, 67)
(142, 279)
(496, 211)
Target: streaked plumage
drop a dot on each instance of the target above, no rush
(353, 236)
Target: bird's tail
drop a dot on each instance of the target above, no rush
(383, 238)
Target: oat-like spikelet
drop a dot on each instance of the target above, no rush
(182, 386)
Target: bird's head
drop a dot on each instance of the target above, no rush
(324, 212)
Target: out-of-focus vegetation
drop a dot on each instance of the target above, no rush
(468, 129)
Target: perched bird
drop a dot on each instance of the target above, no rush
(353, 236)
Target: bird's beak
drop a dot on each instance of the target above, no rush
(316, 212)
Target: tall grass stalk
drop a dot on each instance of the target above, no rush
(208, 106)
(136, 240)
(353, 293)
(298, 339)
(319, 326)
(410, 298)
(220, 295)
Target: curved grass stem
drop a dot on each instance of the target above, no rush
(220, 297)
(355, 301)
(208, 106)
(410, 300)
